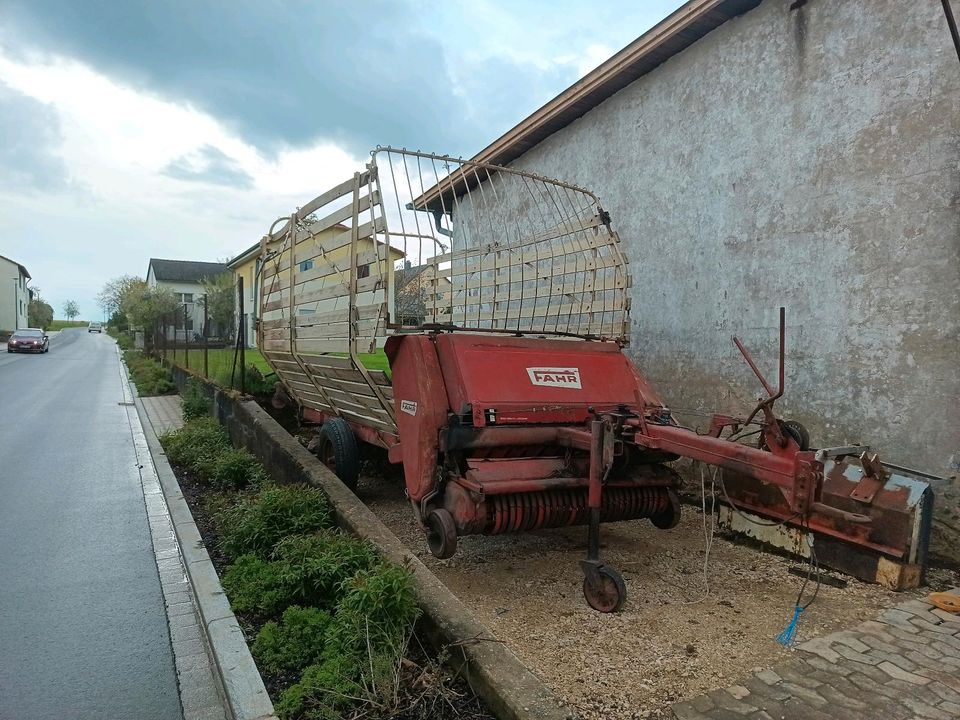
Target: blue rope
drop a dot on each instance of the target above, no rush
(789, 634)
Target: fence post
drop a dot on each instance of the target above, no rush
(242, 337)
(206, 360)
(163, 335)
(186, 341)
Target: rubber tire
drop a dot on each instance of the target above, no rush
(611, 596)
(441, 533)
(336, 434)
(669, 518)
(798, 432)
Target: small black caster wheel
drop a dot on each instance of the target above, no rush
(441, 533)
(669, 517)
(792, 429)
(604, 589)
(337, 449)
(798, 432)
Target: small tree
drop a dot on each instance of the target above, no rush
(71, 309)
(144, 305)
(111, 295)
(39, 313)
(221, 293)
(118, 321)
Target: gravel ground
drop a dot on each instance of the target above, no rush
(670, 643)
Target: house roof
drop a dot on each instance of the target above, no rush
(187, 271)
(670, 36)
(23, 270)
(254, 250)
(243, 257)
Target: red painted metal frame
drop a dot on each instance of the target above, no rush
(513, 409)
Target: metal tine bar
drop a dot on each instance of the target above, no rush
(462, 225)
(510, 263)
(583, 236)
(562, 196)
(579, 237)
(385, 269)
(473, 208)
(538, 269)
(520, 245)
(447, 213)
(560, 217)
(416, 221)
(496, 255)
(396, 195)
(436, 245)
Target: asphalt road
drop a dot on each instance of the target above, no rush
(83, 629)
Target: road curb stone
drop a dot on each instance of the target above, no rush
(238, 679)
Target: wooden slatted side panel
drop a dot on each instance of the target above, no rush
(313, 301)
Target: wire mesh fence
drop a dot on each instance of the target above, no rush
(188, 338)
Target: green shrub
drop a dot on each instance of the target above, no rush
(257, 587)
(256, 524)
(194, 402)
(148, 375)
(196, 445)
(325, 692)
(255, 382)
(236, 469)
(377, 611)
(294, 643)
(320, 566)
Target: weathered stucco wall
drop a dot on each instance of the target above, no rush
(805, 158)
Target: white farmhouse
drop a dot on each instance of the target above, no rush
(14, 294)
(185, 279)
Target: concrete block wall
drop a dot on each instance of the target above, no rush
(805, 158)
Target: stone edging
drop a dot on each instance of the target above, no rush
(240, 683)
(495, 673)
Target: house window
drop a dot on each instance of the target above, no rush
(363, 271)
(306, 311)
(185, 297)
(306, 265)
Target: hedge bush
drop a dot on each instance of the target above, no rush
(297, 641)
(203, 447)
(148, 375)
(193, 401)
(334, 611)
(259, 587)
(256, 524)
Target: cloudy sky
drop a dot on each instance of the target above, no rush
(180, 129)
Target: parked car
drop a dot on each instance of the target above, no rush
(95, 327)
(28, 340)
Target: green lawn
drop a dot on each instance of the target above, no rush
(220, 361)
(61, 324)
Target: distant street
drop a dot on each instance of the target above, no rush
(83, 630)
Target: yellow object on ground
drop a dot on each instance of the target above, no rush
(945, 601)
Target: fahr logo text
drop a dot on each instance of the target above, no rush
(555, 377)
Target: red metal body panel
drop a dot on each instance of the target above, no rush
(510, 381)
(421, 408)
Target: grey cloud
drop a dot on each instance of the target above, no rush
(31, 135)
(209, 165)
(281, 73)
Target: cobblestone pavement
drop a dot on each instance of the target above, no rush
(904, 665)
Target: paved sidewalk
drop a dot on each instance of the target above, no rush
(904, 665)
(164, 412)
